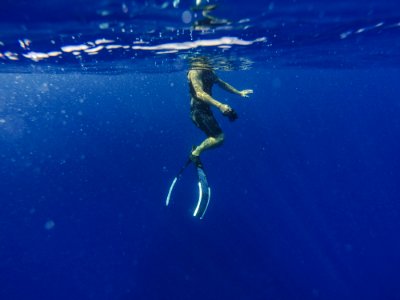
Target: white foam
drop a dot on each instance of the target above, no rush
(94, 50)
(36, 56)
(103, 41)
(73, 48)
(224, 41)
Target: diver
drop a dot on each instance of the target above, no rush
(202, 77)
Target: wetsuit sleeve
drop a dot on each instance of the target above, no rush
(200, 94)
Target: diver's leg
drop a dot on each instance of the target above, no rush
(210, 142)
(208, 124)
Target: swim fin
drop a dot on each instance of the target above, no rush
(204, 194)
(204, 189)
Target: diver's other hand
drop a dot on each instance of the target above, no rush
(245, 93)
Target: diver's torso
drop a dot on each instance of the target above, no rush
(207, 78)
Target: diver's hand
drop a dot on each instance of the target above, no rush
(228, 111)
(225, 109)
(245, 93)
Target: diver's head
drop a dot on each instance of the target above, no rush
(200, 63)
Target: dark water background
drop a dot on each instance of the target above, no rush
(305, 200)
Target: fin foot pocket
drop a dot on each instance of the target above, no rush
(196, 160)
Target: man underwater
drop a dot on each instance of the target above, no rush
(202, 77)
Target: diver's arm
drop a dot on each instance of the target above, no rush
(200, 93)
(227, 87)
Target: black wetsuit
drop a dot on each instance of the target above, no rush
(200, 111)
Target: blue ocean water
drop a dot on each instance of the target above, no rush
(94, 125)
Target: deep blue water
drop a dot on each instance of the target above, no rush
(305, 189)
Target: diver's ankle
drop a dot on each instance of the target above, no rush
(195, 152)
